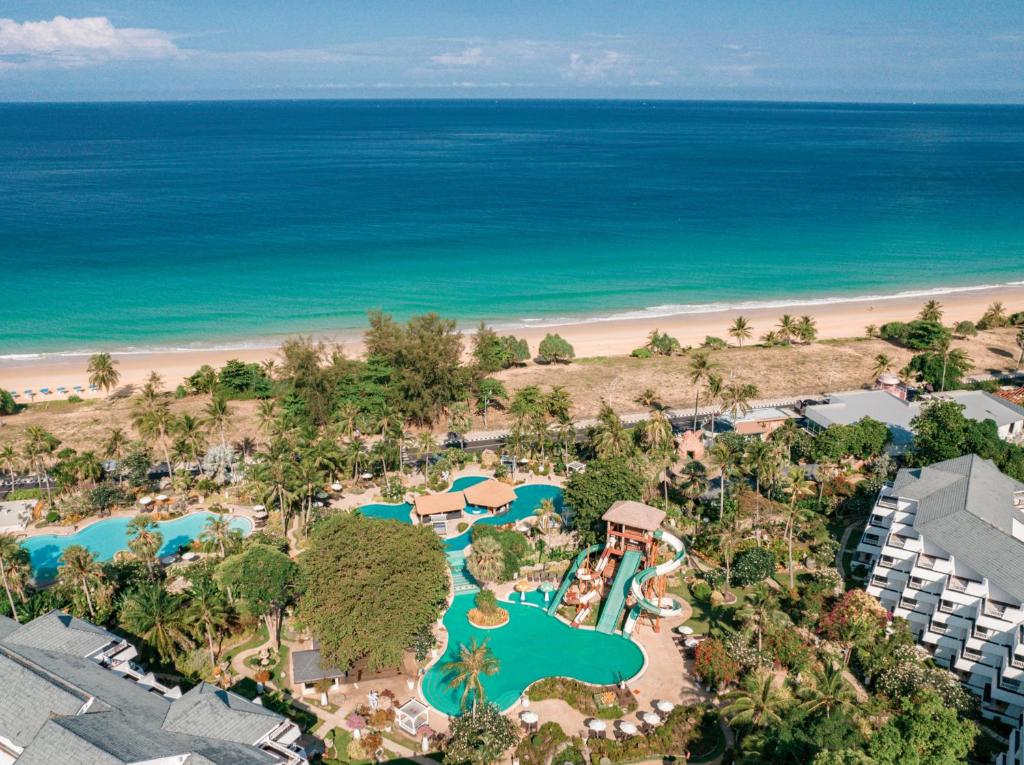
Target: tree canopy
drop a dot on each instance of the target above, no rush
(369, 587)
(555, 348)
(262, 581)
(594, 490)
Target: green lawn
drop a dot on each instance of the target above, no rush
(700, 620)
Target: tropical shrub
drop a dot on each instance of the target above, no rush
(714, 665)
(554, 348)
(480, 736)
(7, 405)
(918, 335)
(714, 343)
(752, 566)
(641, 353)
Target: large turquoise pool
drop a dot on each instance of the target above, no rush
(108, 537)
(531, 646)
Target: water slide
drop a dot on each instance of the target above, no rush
(616, 600)
(666, 607)
(589, 575)
(570, 575)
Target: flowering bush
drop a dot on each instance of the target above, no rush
(747, 656)
(856, 617)
(908, 674)
(714, 665)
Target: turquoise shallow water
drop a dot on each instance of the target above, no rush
(108, 537)
(135, 226)
(531, 646)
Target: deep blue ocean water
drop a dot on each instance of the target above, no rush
(193, 224)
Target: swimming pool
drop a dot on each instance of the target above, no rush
(531, 646)
(108, 537)
(401, 511)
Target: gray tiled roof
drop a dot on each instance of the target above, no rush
(7, 626)
(965, 506)
(207, 710)
(307, 667)
(43, 692)
(57, 631)
(29, 697)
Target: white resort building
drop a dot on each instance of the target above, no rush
(945, 549)
(71, 692)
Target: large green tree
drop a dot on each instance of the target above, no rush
(593, 491)
(369, 587)
(925, 732)
(262, 582)
(480, 737)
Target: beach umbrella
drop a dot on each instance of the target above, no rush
(665, 706)
(684, 630)
(651, 719)
(336, 486)
(366, 476)
(161, 497)
(530, 718)
(627, 727)
(145, 501)
(597, 725)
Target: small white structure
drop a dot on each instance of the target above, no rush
(16, 514)
(412, 716)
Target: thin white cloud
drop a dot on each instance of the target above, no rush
(467, 57)
(595, 66)
(64, 42)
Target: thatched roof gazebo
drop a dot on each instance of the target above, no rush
(491, 494)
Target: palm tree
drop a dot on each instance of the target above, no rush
(797, 488)
(740, 330)
(266, 413)
(995, 315)
(490, 394)
(114, 448)
(475, 661)
(209, 610)
(713, 390)
(657, 432)
(9, 460)
(205, 380)
(218, 533)
(723, 457)
(14, 570)
(190, 432)
(611, 439)
(1020, 344)
(757, 704)
(807, 329)
(39, 442)
(546, 514)
(701, 368)
(145, 539)
(828, 691)
(79, 567)
(426, 446)
(692, 481)
(787, 329)
(648, 397)
(931, 311)
(159, 618)
(460, 420)
(155, 422)
(102, 371)
(486, 561)
(882, 365)
(218, 415)
(762, 611)
(736, 399)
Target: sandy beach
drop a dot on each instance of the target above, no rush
(592, 338)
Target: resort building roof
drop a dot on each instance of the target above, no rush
(1013, 395)
(308, 667)
(64, 701)
(436, 504)
(490, 494)
(969, 508)
(636, 515)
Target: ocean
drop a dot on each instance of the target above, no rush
(142, 226)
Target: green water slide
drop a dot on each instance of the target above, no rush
(570, 576)
(616, 599)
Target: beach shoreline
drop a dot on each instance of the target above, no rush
(615, 335)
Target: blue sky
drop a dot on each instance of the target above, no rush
(896, 50)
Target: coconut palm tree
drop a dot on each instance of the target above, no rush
(475, 661)
(490, 394)
(761, 611)
(427, 447)
(740, 330)
(713, 390)
(15, 570)
(486, 561)
(102, 371)
(159, 618)
(205, 380)
(114, 449)
(547, 515)
(726, 459)
(218, 533)
(701, 368)
(217, 417)
(797, 487)
(266, 414)
(79, 568)
(736, 399)
(807, 329)
(931, 311)
(9, 460)
(995, 316)
(828, 691)
(145, 539)
(883, 364)
(787, 329)
(210, 612)
(154, 421)
(39, 444)
(610, 438)
(190, 432)
(460, 420)
(648, 397)
(692, 481)
(757, 704)
(657, 432)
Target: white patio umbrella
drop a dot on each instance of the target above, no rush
(685, 630)
(597, 725)
(146, 501)
(628, 728)
(651, 719)
(665, 706)
(529, 718)
(691, 642)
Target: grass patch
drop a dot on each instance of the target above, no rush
(602, 702)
